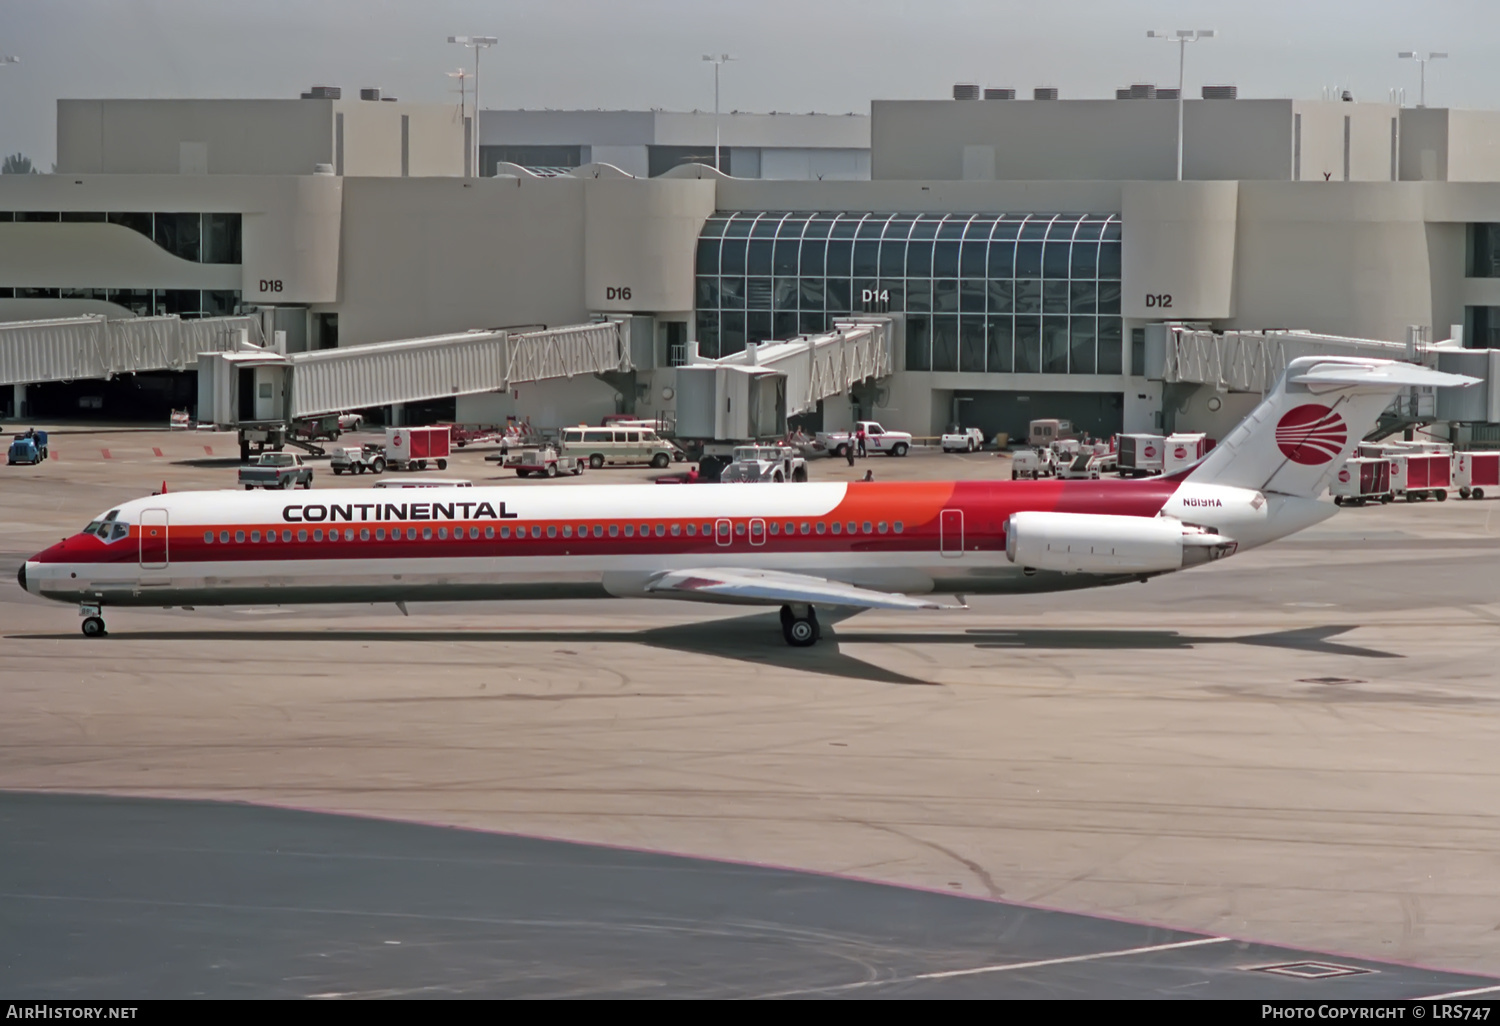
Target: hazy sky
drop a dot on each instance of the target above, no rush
(794, 55)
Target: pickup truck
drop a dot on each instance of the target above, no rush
(276, 470)
(967, 440)
(877, 439)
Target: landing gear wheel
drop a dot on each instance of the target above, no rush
(800, 631)
(596, 461)
(93, 627)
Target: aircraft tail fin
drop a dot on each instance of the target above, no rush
(1301, 433)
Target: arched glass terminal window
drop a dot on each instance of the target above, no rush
(1003, 293)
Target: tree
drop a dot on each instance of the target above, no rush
(17, 164)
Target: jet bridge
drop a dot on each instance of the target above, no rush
(93, 346)
(261, 389)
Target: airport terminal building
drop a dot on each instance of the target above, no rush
(1026, 247)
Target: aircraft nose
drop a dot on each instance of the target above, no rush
(21, 576)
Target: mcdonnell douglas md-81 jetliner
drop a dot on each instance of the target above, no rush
(797, 546)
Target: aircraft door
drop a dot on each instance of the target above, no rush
(153, 528)
(951, 533)
(724, 531)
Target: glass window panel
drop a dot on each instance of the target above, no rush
(1111, 231)
(1006, 229)
(784, 260)
(1110, 345)
(812, 258)
(897, 229)
(839, 254)
(1081, 336)
(1062, 229)
(1082, 297)
(178, 301)
(708, 256)
(784, 294)
(41, 215)
(1002, 296)
(81, 217)
(708, 293)
(784, 324)
(818, 228)
(945, 296)
(1109, 260)
(944, 342)
(863, 291)
(971, 296)
(758, 260)
(1000, 359)
(758, 326)
(1035, 229)
(979, 228)
(892, 258)
(99, 294)
(1055, 345)
(765, 226)
(708, 333)
(793, 227)
(896, 291)
(812, 323)
(971, 343)
(1085, 260)
(180, 234)
(135, 222)
(1028, 345)
(812, 294)
(217, 302)
(971, 262)
(945, 259)
(1055, 259)
(1002, 259)
(1029, 260)
(866, 258)
(713, 228)
(1054, 297)
(844, 227)
(918, 296)
(872, 227)
(732, 293)
(1109, 297)
(25, 292)
(925, 227)
(919, 343)
(738, 226)
(757, 293)
(838, 299)
(731, 332)
(137, 301)
(732, 260)
(919, 259)
(1028, 297)
(1088, 231)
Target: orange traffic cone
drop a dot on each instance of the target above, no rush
(164, 488)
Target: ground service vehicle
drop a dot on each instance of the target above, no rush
(1086, 466)
(544, 461)
(877, 439)
(276, 470)
(430, 482)
(850, 546)
(1042, 433)
(412, 448)
(30, 447)
(356, 459)
(1473, 472)
(1032, 463)
(617, 446)
(768, 463)
(1141, 455)
(1361, 480)
(967, 440)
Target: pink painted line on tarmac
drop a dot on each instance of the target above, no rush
(208, 449)
(156, 450)
(105, 453)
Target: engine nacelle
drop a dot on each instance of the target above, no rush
(1090, 543)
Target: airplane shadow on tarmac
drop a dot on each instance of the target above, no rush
(756, 639)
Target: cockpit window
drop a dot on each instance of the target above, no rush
(118, 531)
(107, 528)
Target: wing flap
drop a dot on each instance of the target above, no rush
(769, 587)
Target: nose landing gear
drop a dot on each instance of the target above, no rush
(799, 625)
(93, 623)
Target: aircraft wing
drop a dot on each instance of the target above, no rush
(1388, 375)
(770, 587)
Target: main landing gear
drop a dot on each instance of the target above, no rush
(93, 623)
(799, 625)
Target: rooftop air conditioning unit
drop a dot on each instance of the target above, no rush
(1143, 92)
(1122, 94)
(1044, 93)
(999, 94)
(965, 91)
(323, 93)
(369, 94)
(1221, 92)
(1167, 94)
(322, 169)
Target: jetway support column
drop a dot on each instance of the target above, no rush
(19, 392)
(398, 415)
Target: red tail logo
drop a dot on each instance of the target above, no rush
(1311, 435)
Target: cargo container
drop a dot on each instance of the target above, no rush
(1473, 472)
(1182, 451)
(411, 448)
(1426, 475)
(1141, 455)
(1362, 480)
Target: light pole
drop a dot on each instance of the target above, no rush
(477, 43)
(1413, 55)
(717, 62)
(1182, 37)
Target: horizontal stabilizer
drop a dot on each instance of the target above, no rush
(1378, 375)
(768, 587)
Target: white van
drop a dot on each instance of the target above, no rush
(616, 446)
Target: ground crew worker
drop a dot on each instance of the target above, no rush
(849, 452)
(859, 437)
(692, 475)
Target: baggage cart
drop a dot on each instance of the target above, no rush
(1473, 472)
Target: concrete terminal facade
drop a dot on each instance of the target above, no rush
(1402, 231)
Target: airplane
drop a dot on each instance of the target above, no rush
(843, 546)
